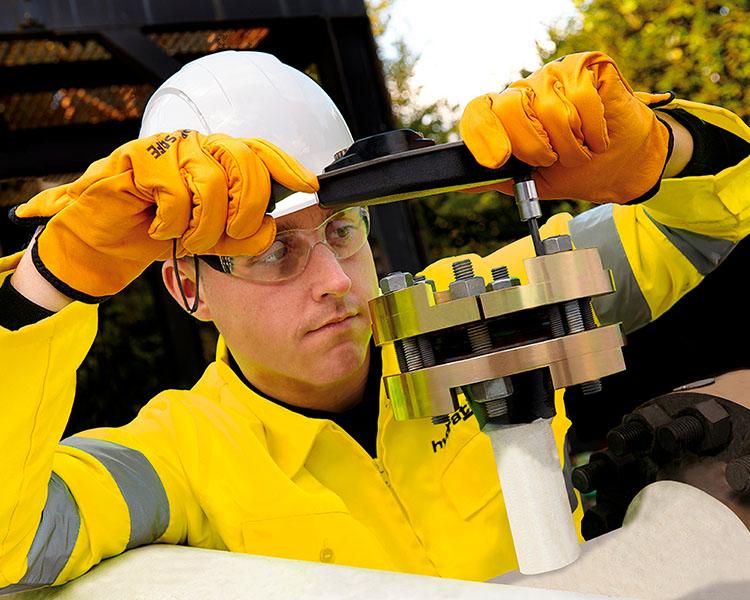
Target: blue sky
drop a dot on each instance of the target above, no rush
(469, 47)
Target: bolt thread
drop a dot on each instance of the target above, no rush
(591, 387)
(425, 349)
(479, 337)
(628, 437)
(500, 273)
(683, 432)
(463, 269)
(412, 354)
(573, 317)
(556, 323)
(588, 314)
(496, 408)
(738, 474)
(440, 419)
(401, 356)
(588, 478)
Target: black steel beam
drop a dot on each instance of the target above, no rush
(77, 15)
(139, 52)
(61, 149)
(54, 76)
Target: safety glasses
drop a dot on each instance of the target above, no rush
(343, 233)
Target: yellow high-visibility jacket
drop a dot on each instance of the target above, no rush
(220, 467)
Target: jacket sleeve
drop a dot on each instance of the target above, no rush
(67, 505)
(660, 250)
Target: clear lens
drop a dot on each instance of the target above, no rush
(344, 233)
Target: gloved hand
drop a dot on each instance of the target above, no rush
(579, 120)
(210, 193)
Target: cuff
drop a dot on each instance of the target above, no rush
(714, 149)
(16, 310)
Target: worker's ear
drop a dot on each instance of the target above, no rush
(186, 272)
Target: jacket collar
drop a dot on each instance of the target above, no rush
(289, 435)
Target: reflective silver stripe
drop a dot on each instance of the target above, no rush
(705, 253)
(54, 540)
(139, 485)
(596, 228)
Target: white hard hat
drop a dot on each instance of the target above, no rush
(252, 94)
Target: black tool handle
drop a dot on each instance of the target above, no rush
(411, 174)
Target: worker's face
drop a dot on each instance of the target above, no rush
(314, 328)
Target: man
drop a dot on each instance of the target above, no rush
(287, 445)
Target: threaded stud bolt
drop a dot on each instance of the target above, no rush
(500, 273)
(738, 474)
(684, 432)
(628, 437)
(463, 269)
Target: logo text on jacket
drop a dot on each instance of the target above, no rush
(463, 413)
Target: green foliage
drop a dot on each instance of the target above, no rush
(458, 223)
(437, 120)
(700, 50)
(377, 10)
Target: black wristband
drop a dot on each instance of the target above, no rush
(59, 284)
(714, 149)
(16, 310)
(657, 185)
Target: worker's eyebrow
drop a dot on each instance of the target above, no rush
(286, 225)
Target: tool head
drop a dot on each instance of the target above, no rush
(403, 165)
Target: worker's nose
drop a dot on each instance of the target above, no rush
(327, 276)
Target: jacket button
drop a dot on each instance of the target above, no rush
(326, 555)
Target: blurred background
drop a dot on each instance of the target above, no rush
(75, 76)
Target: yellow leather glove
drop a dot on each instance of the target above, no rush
(209, 193)
(579, 121)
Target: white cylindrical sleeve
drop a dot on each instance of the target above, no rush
(533, 487)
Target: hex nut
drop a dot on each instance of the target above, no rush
(557, 243)
(501, 284)
(637, 431)
(717, 424)
(652, 416)
(463, 288)
(396, 281)
(600, 519)
(493, 389)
